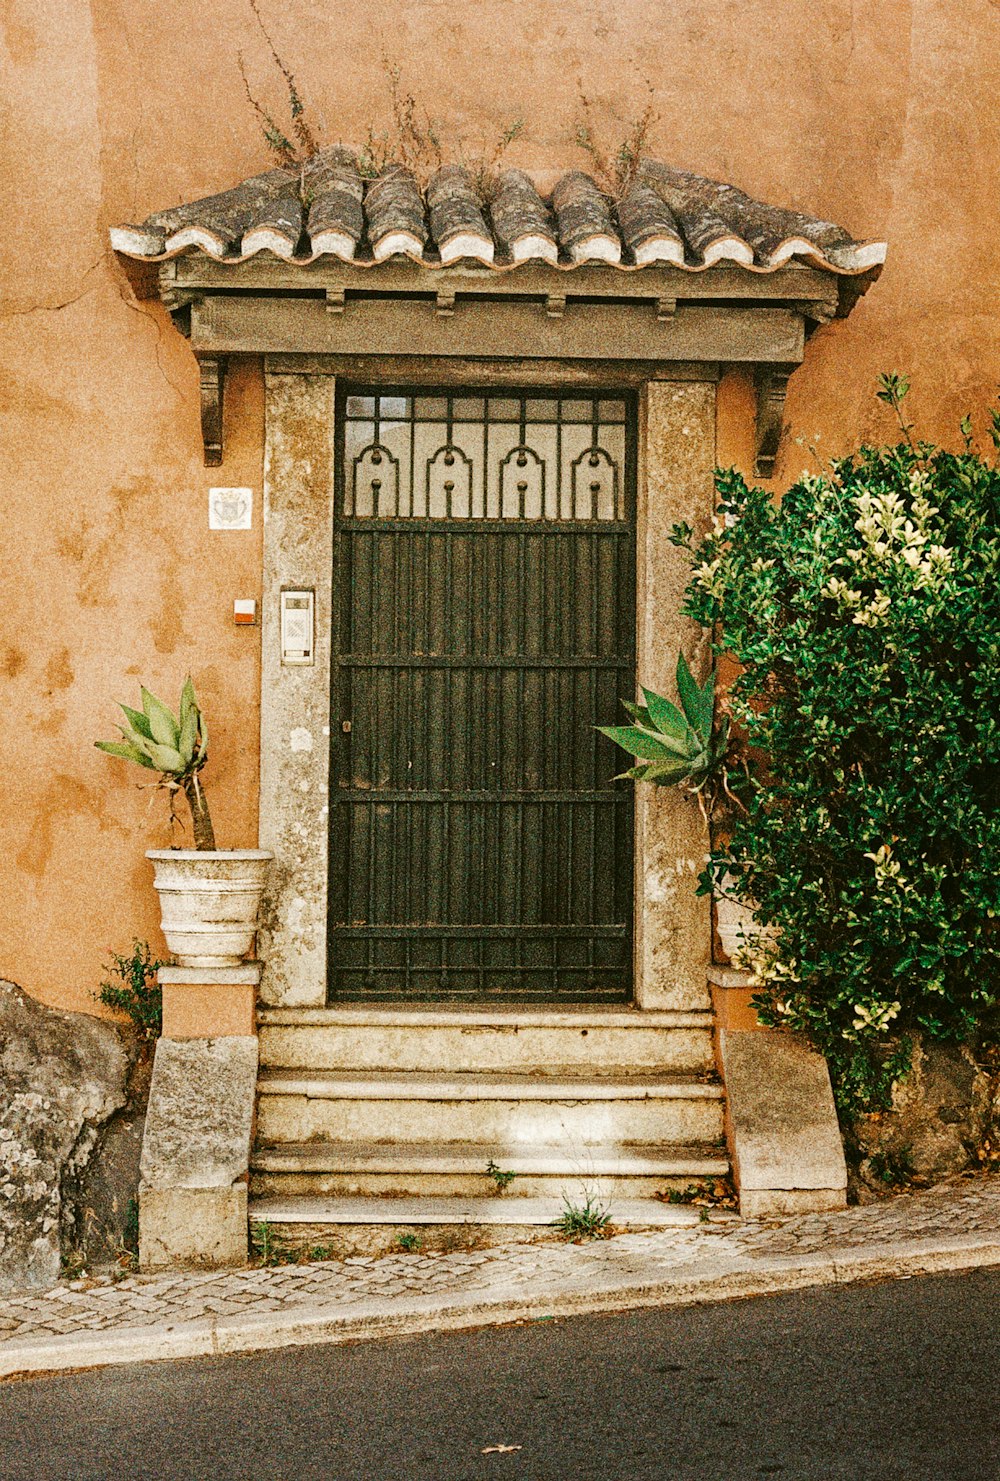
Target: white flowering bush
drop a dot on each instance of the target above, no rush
(864, 610)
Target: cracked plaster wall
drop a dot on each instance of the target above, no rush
(882, 117)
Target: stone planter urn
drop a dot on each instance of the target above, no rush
(209, 900)
(734, 921)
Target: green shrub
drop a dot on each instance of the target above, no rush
(134, 989)
(865, 612)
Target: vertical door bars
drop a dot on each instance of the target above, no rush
(484, 624)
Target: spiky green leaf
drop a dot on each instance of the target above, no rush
(666, 773)
(636, 741)
(136, 739)
(189, 735)
(639, 713)
(708, 704)
(188, 701)
(137, 720)
(666, 717)
(166, 758)
(125, 752)
(664, 714)
(164, 727)
(203, 747)
(633, 774)
(690, 695)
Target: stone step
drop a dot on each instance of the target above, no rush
(458, 1169)
(497, 1111)
(375, 1225)
(592, 1041)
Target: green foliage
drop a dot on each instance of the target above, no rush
(265, 1245)
(895, 1169)
(588, 1220)
(128, 1246)
(133, 989)
(268, 1248)
(864, 610)
(408, 1243)
(502, 1178)
(175, 746)
(678, 746)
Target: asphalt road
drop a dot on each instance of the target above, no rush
(894, 1380)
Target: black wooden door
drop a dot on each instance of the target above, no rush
(484, 623)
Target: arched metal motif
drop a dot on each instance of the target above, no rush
(449, 484)
(375, 484)
(595, 485)
(522, 484)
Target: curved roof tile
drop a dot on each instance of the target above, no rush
(327, 208)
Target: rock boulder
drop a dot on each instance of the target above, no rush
(62, 1075)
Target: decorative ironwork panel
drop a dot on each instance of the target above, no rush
(484, 625)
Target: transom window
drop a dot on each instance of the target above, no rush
(484, 457)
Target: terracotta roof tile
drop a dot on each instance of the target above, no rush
(327, 208)
(522, 223)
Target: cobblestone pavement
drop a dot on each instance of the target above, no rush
(95, 1320)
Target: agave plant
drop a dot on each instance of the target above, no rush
(678, 747)
(176, 746)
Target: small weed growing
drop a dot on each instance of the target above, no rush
(133, 989)
(268, 1248)
(502, 1178)
(892, 1168)
(265, 1245)
(709, 1193)
(418, 142)
(288, 152)
(72, 1266)
(616, 166)
(128, 1247)
(408, 1243)
(589, 1220)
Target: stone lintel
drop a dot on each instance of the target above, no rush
(781, 1124)
(257, 324)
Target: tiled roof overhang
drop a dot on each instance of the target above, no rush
(319, 260)
(327, 209)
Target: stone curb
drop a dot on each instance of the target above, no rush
(721, 1279)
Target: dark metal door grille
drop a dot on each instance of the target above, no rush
(484, 623)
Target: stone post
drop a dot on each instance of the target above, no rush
(195, 1166)
(672, 923)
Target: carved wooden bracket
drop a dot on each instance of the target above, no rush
(772, 385)
(212, 369)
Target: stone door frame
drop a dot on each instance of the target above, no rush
(676, 458)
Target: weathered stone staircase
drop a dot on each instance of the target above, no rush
(377, 1123)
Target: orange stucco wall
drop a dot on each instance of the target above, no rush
(883, 117)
